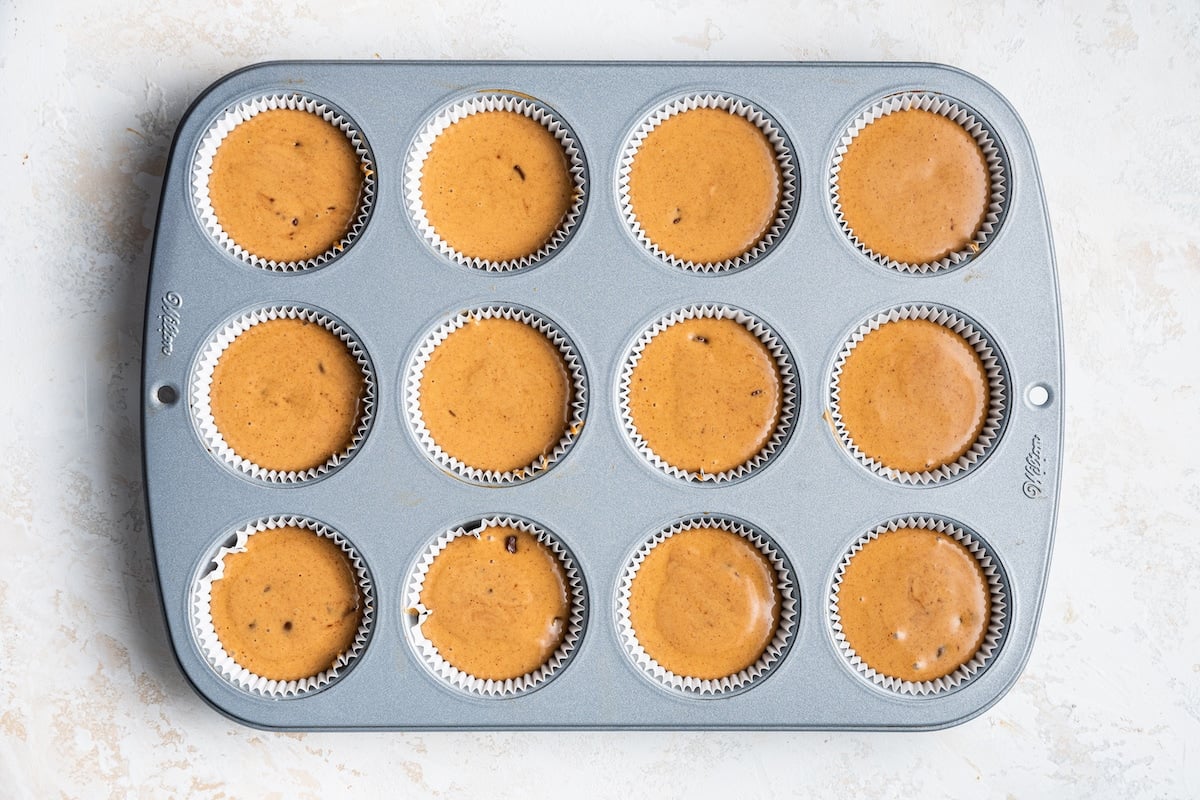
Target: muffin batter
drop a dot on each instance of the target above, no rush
(913, 395)
(705, 395)
(287, 395)
(704, 603)
(914, 604)
(496, 395)
(285, 185)
(498, 603)
(914, 186)
(705, 185)
(288, 606)
(496, 185)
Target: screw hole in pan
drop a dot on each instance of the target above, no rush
(1039, 395)
(166, 395)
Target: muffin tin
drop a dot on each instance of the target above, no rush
(602, 289)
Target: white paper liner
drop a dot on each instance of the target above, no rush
(223, 663)
(938, 104)
(495, 101)
(202, 171)
(730, 684)
(789, 392)
(566, 349)
(783, 157)
(456, 678)
(993, 368)
(996, 625)
(202, 385)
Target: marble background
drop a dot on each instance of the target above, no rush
(91, 704)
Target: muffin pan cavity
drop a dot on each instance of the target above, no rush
(903, 415)
(523, 382)
(916, 606)
(479, 142)
(732, 592)
(731, 410)
(331, 404)
(494, 624)
(683, 158)
(282, 164)
(917, 189)
(503, 349)
(305, 627)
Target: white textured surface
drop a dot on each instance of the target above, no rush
(91, 704)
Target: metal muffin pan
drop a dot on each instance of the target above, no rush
(602, 500)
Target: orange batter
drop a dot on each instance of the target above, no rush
(286, 185)
(496, 185)
(705, 185)
(704, 603)
(287, 395)
(288, 606)
(913, 395)
(914, 604)
(496, 395)
(498, 603)
(706, 395)
(914, 186)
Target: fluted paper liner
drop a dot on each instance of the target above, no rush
(416, 614)
(571, 359)
(783, 157)
(972, 124)
(202, 385)
(996, 625)
(220, 660)
(738, 681)
(495, 101)
(993, 368)
(219, 130)
(789, 392)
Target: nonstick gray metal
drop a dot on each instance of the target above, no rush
(602, 500)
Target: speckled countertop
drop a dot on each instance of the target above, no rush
(91, 703)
